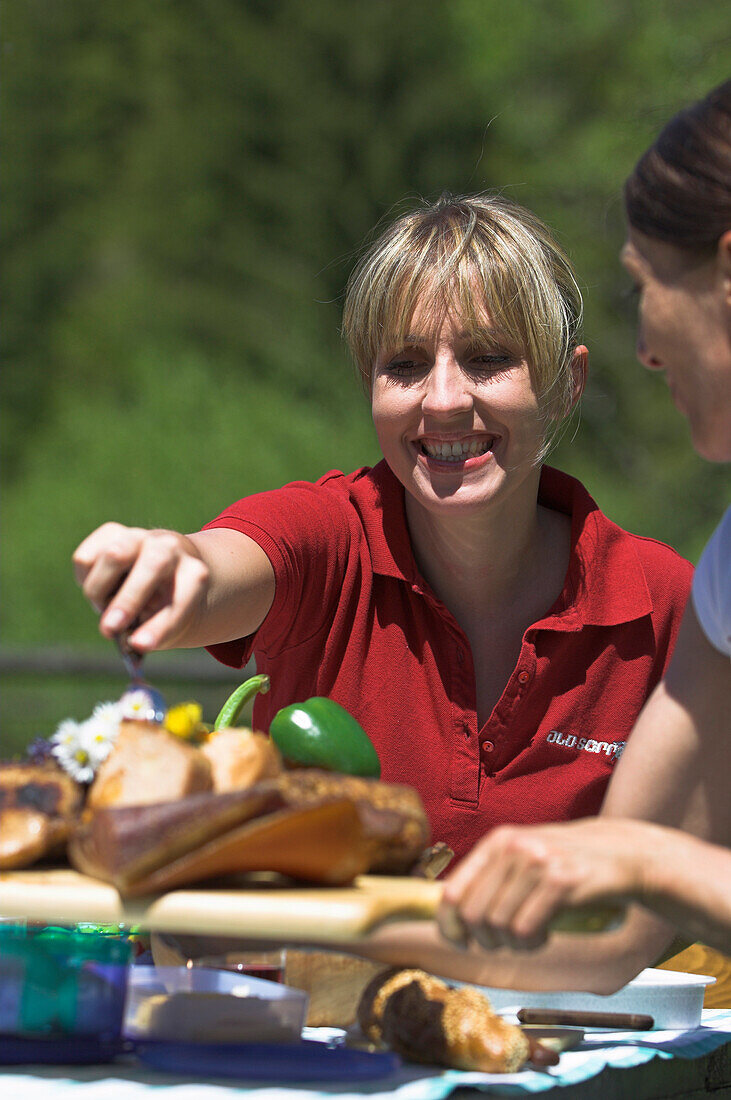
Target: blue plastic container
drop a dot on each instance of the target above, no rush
(56, 982)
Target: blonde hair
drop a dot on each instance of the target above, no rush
(471, 254)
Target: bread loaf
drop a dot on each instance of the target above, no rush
(149, 765)
(38, 805)
(423, 1019)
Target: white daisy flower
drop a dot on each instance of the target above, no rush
(66, 734)
(98, 733)
(143, 704)
(70, 751)
(80, 747)
(106, 718)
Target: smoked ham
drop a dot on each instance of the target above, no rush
(306, 824)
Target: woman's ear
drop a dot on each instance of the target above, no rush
(579, 371)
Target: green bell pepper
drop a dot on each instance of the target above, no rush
(319, 733)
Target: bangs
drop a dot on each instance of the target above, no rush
(447, 275)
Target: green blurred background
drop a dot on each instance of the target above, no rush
(186, 185)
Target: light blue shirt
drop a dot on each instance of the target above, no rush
(711, 592)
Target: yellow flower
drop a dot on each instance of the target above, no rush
(185, 720)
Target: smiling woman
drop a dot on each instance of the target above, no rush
(488, 262)
(471, 607)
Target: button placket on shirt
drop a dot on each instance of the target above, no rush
(465, 772)
(526, 666)
(524, 672)
(465, 748)
(487, 757)
(497, 748)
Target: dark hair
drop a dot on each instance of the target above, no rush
(680, 189)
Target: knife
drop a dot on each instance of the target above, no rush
(620, 1021)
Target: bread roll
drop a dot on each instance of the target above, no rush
(333, 982)
(38, 805)
(239, 758)
(423, 1019)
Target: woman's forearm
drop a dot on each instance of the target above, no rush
(675, 768)
(240, 588)
(692, 890)
(599, 963)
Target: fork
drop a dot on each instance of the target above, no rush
(132, 659)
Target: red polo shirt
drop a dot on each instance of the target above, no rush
(353, 619)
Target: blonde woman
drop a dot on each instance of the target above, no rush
(494, 633)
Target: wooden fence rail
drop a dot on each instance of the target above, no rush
(192, 666)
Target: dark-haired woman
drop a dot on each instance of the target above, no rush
(670, 795)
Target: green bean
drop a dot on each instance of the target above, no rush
(232, 707)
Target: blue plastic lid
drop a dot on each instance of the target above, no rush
(67, 1050)
(303, 1061)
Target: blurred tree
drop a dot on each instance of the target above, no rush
(185, 187)
(197, 174)
(575, 92)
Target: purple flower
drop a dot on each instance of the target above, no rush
(39, 750)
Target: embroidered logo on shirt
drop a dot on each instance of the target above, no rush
(614, 749)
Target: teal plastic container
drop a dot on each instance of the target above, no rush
(63, 981)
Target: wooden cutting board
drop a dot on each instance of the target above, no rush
(306, 914)
(317, 914)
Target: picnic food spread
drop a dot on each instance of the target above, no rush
(150, 805)
(166, 807)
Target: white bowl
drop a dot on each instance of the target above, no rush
(673, 999)
(215, 1006)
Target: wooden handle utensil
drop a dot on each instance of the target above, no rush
(620, 1021)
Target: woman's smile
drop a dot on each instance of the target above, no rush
(447, 453)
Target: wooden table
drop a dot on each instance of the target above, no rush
(699, 959)
(676, 1079)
